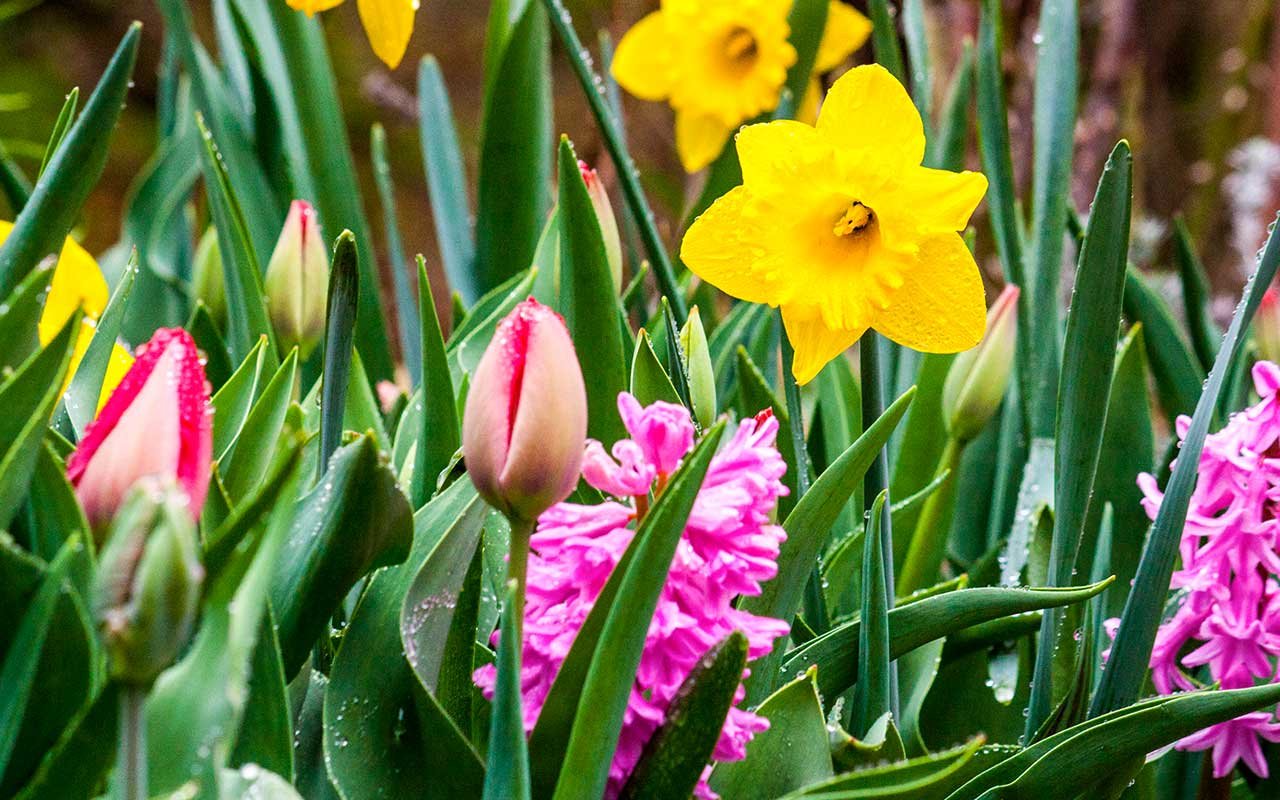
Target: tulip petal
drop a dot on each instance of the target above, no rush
(699, 139)
(940, 306)
(868, 110)
(389, 25)
(815, 343)
(642, 64)
(847, 30)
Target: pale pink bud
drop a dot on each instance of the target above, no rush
(156, 423)
(978, 377)
(297, 282)
(525, 423)
(608, 222)
(1266, 327)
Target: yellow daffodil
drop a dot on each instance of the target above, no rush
(78, 283)
(718, 63)
(841, 227)
(387, 23)
(846, 31)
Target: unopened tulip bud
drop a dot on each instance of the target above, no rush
(608, 222)
(978, 377)
(207, 278)
(525, 423)
(297, 282)
(156, 423)
(702, 380)
(1266, 327)
(147, 590)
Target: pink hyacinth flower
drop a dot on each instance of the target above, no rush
(729, 547)
(156, 423)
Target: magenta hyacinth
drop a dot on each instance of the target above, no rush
(729, 547)
(1228, 609)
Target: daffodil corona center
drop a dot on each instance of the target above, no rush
(856, 218)
(741, 48)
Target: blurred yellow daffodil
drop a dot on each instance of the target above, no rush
(78, 283)
(846, 31)
(387, 23)
(842, 227)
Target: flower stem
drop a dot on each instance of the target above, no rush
(131, 764)
(518, 562)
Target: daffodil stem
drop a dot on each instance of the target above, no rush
(877, 479)
(131, 764)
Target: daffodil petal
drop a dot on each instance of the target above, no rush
(121, 360)
(723, 247)
(846, 31)
(388, 24)
(940, 306)
(869, 110)
(699, 139)
(814, 342)
(774, 154)
(77, 283)
(312, 7)
(642, 63)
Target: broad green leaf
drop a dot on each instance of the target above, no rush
(677, 753)
(507, 777)
(406, 302)
(649, 381)
(1127, 664)
(927, 777)
(871, 694)
(1178, 376)
(78, 763)
(446, 181)
(266, 730)
(246, 465)
(18, 323)
(311, 775)
(82, 395)
(1087, 364)
(55, 202)
(341, 308)
(608, 683)
(437, 434)
(791, 754)
(917, 623)
(591, 306)
(879, 744)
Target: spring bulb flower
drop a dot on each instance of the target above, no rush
(608, 222)
(525, 419)
(1227, 617)
(978, 377)
(846, 31)
(147, 589)
(78, 283)
(297, 281)
(158, 422)
(729, 547)
(841, 227)
(387, 23)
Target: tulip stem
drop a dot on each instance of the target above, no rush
(131, 764)
(518, 562)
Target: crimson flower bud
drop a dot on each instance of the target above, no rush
(978, 377)
(156, 423)
(525, 424)
(608, 222)
(297, 282)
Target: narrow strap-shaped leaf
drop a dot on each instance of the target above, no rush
(884, 39)
(1084, 392)
(249, 461)
(339, 332)
(871, 694)
(82, 395)
(234, 401)
(446, 180)
(1178, 375)
(628, 175)
(808, 22)
(507, 777)
(13, 182)
(915, 35)
(608, 684)
(438, 436)
(1127, 664)
(947, 149)
(57, 197)
(19, 323)
(60, 127)
(1196, 298)
(406, 307)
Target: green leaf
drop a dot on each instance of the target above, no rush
(914, 624)
(884, 39)
(917, 40)
(807, 22)
(615, 143)
(19, 324)
(923, 438)
(234, 401)
(1196, 296)
(738, 326)
(1084, 392)
(353, 522)
(591, 311)
(838, 418)
(676, 754)
(1127, 664)
(454, 686)
(312, 778)
(871, 695)
(446, 181)
(928, 777)
(948, 147)
(82, 395)
(55, 202)
(508, 775)
(247, 463)
(78, 763)
(438, 436)
(406, 305)
(53, 515)
(515, 166)
(649, 381)
(341, 308)
(266, 730)
(60, 127)
(13, 182)
(791, 754)
(608, 683)
(1178, 376)
(756, 395)
(374, 740)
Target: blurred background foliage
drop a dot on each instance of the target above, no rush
(1189, 83)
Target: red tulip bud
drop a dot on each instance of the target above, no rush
(156, 423)
(608, 222)
(525, 424)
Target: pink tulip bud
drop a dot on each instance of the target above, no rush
(525, 424)
(978, 377)
(1266, 327)
(608, 222)
(156, 423)
(297, 281)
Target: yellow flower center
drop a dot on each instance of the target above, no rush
(741, 48)
(855, 219)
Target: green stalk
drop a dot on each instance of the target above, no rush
(131, 760)
(518, 562)
(929, 541)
